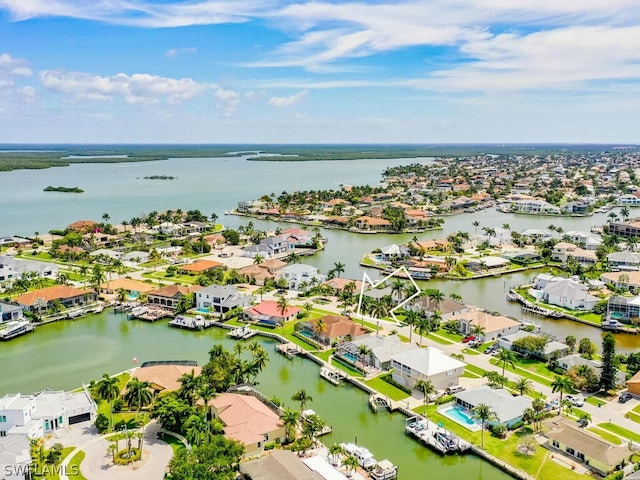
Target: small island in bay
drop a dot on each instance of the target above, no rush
(160, 177)
(63, 189)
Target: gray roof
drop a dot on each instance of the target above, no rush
(383, 348)
(506, 406)
(445, 306)
(299, 268)
(570, 289)
(277, 240)
(14, 449)
(278, 465)
(378, 292)
(427, 361)
(623, 257)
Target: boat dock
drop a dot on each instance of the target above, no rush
(332, 375)
(377, 401)
(289, 349)
(15, 328)
(242, 333)
(435, 436)
(383, 470)
(149, 314)
(305, 417)
(191, 323)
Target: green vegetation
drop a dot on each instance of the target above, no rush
(175, 442)
(594, 401)
(620, 431)
(74, 466)
(160, 177)
(385, 388)
(63, 189)
(609, 437)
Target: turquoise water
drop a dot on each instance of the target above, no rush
(457, 415)
(202, 310)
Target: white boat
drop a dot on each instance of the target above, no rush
(384, 470)
(15, 328)
(363, 455)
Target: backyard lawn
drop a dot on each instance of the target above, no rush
(622, 432)
(385, 388)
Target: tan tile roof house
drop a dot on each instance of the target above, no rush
(164, 377)
(68, 296)
(247, 420)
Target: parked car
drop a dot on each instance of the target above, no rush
(454, 389)
(625, 397)
(436, 395)
(576, 400)
(468, 338)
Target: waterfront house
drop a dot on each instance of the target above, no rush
(380, 349)
(624, 309)
(446, 307)
(248, 420)
(508, 409)
(372, 223)
(269, 247)
(338, 284)
(42, 299)
(565, 435)
(221, 298)
(82, 226)
(133, 287)
(624, 260)
(267, 270)
(101, 240)
(628, 200)
(486, 263)
(268, 312)
(45, 412)
(10, 312)
(333, 329)
(563, 250)
(494, 326)
(588, 239)
(551, 347)
(393, 251)
(534, 207)
(629, 228)
(164, 378)
(136, 257)
(535, 235)
(428, 364)
(278, 464)
(300, 273)
(569, 293)
(199, 267)
(170, 295)
(15, 456)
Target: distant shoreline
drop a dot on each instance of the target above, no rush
(29, 157)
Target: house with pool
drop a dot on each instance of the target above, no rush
(507, 408)
(221, 298)
(330, 329)
(428, 364)
(269, 313)
(380, 350)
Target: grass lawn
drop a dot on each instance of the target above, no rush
(175, 442)
(636, 409)
(439, 339)
(452, 337)
(51, 474)
(324, 355)
(335, 362)
(470, 351)
(595, 401)
(538, 465)
(475, 371)
(610, 437)
(618, 430)
(386, 388)
(524, 372)
(633, 416)
(74, 466)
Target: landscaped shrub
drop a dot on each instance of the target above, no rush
(117, 405)
(389, 379)
(102, 423)
(498, 430)
(517, 425)
(122, 457)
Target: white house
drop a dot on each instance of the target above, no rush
(299, 273)
(623, 261)
(428, 364)
(569, 294)
(550, 346)
(12, 268)
(381, 348)
(15, 457)
(508, 409)
(590, 241)
(45, 412)
(221, 298)
(629, 200)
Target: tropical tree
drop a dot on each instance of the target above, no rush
(350, 463)
(483, 412)
(397, 288)
(411, 319)
(335, 451)
(283, 306)
(189, 387)
(478, 330)
(506, 357)
(338, 268)
(290, 420)
(303, 397)
(258, 259)
(292, 258)
(197, 430)
(563, 385)
(138, 394)
(423, 326)
(107, 389)
(571, 343)
(522, 385)
(609, 367)
(426, 388)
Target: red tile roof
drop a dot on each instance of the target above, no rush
(57, 292)
(270, 308)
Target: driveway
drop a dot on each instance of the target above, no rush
(98, 464)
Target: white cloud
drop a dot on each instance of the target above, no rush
(28, 92)
(287, 101)
(136, 88)
(228, 100)
(21, 72)
(174, 52)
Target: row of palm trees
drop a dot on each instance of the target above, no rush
(138, 393)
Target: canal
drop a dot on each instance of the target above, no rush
(63, 354)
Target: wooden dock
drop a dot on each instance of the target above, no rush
(191, 323)
(332, 375)
(149, 314)
(242, 333)
(289, 349)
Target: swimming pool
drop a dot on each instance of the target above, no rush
(202, 310)
(352, 357)
(457, 415)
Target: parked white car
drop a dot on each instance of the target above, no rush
(576, 400)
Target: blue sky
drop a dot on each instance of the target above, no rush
(283, 71)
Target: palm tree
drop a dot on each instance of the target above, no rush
(112, 449)
(351, 464)
(397, 287)
(506, 357)
(290, 420)
(293, 257)
(189, 384)
(258, 259)
(483, 412)
(411, 318)
(338, 268)
(563, 385)
(334, 451)
(138, 394)
(283, 306)
(206, 392)
(423, 326)
(302, 397)
(475, 224)
(436, 296)
(538, 406)
(435, 319)
(522, 385)
(107, 389)
(197, 430)
(624, 213)
(426, 388)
